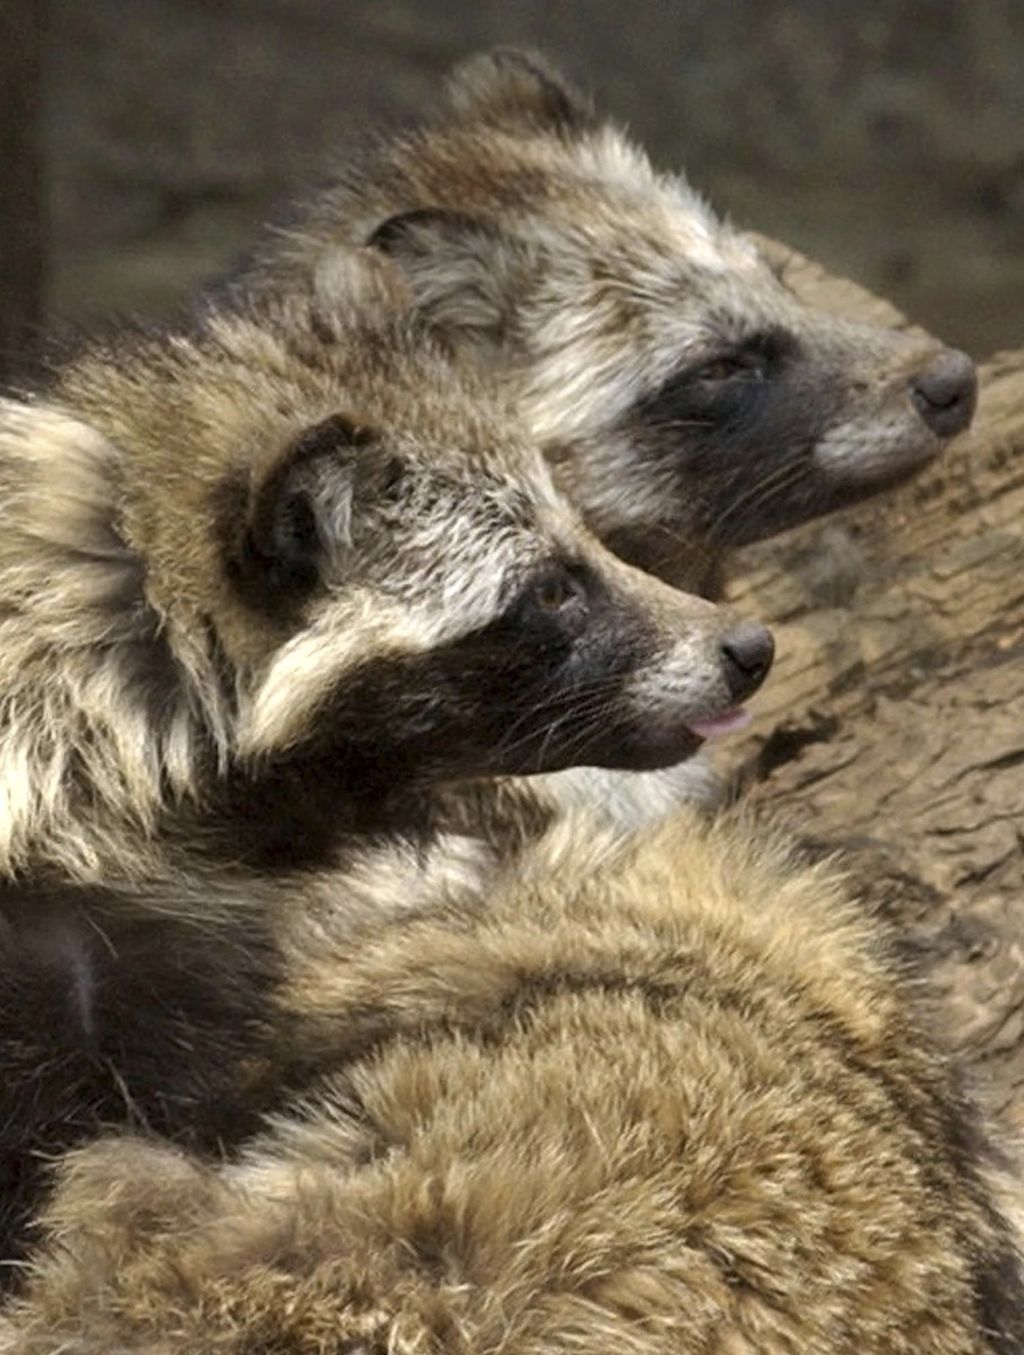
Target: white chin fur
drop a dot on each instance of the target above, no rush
(852, 455)
(634, 800)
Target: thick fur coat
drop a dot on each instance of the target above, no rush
(267, 579)
(659, 361)
(687, 400)
(668, 1096)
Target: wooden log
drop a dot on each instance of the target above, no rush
(894, 723)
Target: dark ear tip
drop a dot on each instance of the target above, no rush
(394, 230)
(397, 231)
(329, 435)
(507, 61)
(513, 85)
(283, 535)
(525, 59)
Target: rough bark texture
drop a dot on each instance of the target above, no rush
(22, 254)
(894, 723)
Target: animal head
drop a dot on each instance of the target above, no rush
(293, 536)
(687, 400)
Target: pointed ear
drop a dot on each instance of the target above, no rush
(464, 274)
(355, 285)
(518, 90)
(300, 518)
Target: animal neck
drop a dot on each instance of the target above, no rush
(305, 814)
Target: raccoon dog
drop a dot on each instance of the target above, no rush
(264, 581)
(687, 401)
(659, 1099)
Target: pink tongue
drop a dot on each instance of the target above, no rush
(727, 723)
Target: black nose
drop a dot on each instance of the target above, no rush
(747, 653)
(945, 392)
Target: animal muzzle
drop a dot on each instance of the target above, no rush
(746, 654)
(945, 392)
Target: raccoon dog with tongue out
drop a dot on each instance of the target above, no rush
(265, 581)
(687, 401)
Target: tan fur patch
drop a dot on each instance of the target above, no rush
(660, 1097)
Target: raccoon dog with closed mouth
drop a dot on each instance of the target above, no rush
(687, 399)
(264, 581)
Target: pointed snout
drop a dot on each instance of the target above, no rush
(747, 652)
(945, 392)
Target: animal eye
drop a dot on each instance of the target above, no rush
(551, 594)
(748, 366)
(554, 590)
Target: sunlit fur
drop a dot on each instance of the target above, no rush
(659, 1098)
(266, 579)
(540, 241)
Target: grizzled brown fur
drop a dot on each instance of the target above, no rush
(265, 580)
(667, 1097)
(687, 399)
(687, 402)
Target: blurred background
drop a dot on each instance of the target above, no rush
(143, 140)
